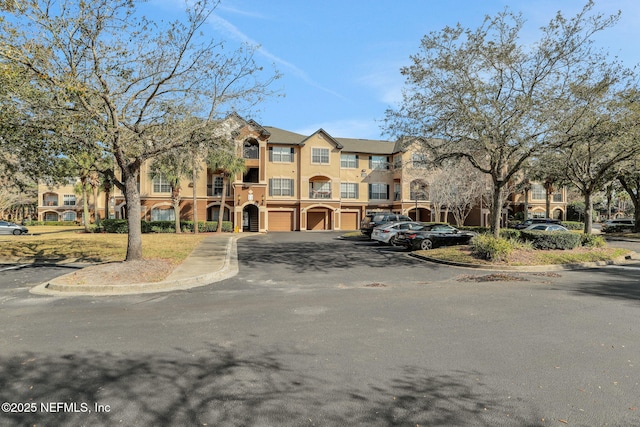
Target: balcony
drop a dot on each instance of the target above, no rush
(320, 194)
(320, 188)
(250, 152)
(216, 191)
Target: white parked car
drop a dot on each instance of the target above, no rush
(386, 234)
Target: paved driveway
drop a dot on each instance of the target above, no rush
(317, 331)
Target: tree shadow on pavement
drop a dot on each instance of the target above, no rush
(616, 283)
(308, 256)
(219, 387)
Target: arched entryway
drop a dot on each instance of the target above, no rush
(250, 218)
(213, 211)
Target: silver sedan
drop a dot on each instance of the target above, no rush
(386, 234)
(12, 228)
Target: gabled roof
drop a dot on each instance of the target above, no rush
(281, 136)
(350, 145)
(324, 132)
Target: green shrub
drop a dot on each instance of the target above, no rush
(551, 240)
(592, 241)
(573, 225)
(115, 226)
(488, 247)
(474, 228)
(120, 226)
(509, 233)
(65, 223)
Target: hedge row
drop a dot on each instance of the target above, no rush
(65, 223)
(553, 240)
(120, 226)
(573, 225)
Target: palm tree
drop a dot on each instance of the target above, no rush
(225, 160)
(171, 167)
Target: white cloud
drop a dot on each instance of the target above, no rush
(225, 27)
(387, 84)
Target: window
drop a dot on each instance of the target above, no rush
(50, 216)
(557, 197)
(349, 190)
(378, 162)
(69, 200)
(320, 156)
(251, 175)
(349, 161)
(280, 187)
(160, 185)
(281, 154)
(50, 200)
(419, 160)
(250, 149)
(320, 190)
(538, 192)
(397, 191)
(162, 214)
(69, 216)
(378, 191)
(218, 186)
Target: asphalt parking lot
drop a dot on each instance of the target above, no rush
(315, 330)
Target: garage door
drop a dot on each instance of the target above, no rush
(280, 220)
(316, 221)
(349, 221)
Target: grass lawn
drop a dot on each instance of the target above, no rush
(70, 243)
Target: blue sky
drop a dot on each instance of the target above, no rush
(341, 59)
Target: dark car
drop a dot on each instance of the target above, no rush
(532, 221)
(373, 220)
(12, 228)
(433, 235)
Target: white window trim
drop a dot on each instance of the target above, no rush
(328, 151)
(352, 157)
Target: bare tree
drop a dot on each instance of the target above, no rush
(483, 96)
(137, 84)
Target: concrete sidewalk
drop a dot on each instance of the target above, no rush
(213, 260)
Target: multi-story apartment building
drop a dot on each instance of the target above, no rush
(291, 182)
(60, 202)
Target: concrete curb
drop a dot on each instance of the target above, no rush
(533, 268)
(229, 269)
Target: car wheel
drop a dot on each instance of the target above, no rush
(426, 244)
(393, 241)
(17, 232)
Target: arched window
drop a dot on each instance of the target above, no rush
(250, 149)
